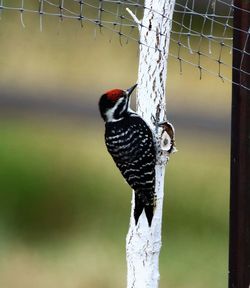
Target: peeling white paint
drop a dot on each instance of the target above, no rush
(144, 242)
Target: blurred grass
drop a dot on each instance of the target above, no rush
(64, 209)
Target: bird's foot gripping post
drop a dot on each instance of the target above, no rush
(144, 241)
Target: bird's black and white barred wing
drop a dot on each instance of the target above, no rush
(132, 147)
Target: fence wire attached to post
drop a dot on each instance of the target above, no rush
(201, 34)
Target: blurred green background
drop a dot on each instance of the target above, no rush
(64, 208)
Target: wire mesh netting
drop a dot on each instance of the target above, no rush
(201, 36)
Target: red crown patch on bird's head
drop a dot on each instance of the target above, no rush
(115, 94)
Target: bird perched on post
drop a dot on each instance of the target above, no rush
(130, 142)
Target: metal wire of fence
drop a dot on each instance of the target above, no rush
(202, 31)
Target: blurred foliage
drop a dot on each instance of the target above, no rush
(61, 192)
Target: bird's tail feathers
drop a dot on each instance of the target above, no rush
(144, 201)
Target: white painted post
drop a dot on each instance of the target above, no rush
(143, 243)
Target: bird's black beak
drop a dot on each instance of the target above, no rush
(130, 90)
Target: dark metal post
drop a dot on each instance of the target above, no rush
(239, 242)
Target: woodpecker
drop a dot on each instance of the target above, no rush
(130, 142)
